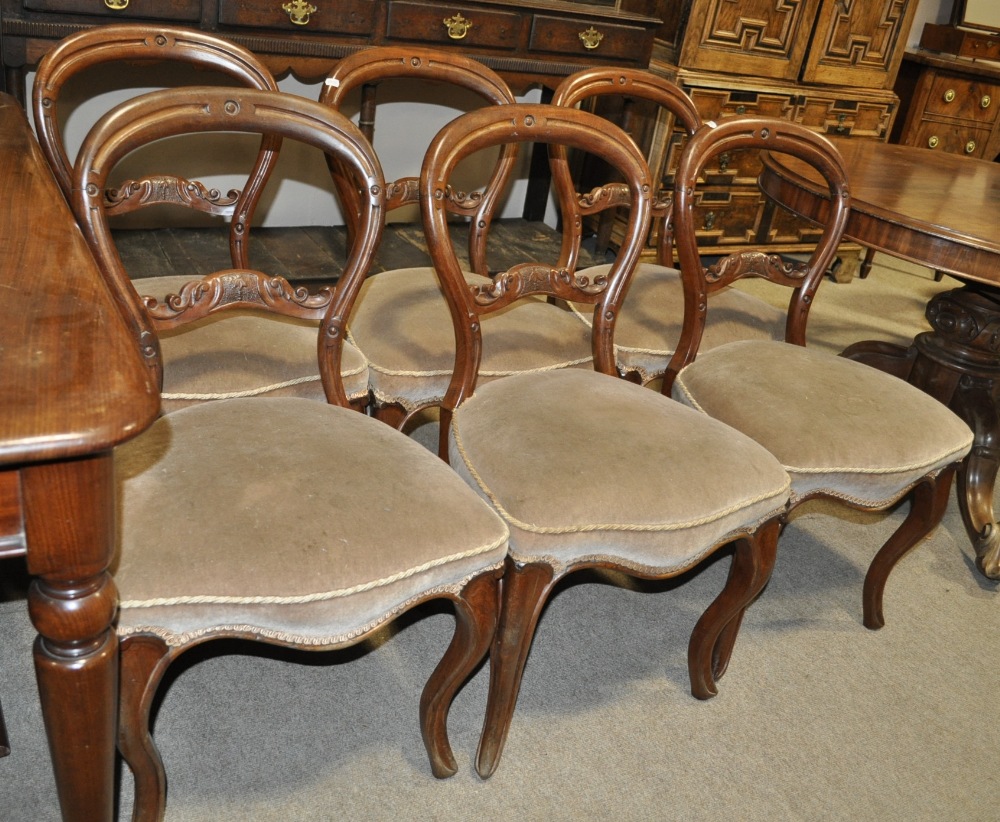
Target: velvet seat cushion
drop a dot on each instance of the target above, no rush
(288, 519)
(587, 467)
(651, 319)
(402, 325)
(839, 427)
(244, 353)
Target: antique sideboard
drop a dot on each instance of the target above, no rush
(529, 42)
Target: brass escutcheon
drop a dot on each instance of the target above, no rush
(457, 26)
(933, 142)
(591, 38)
(949, 95)
(299, 11)
(116, 5)
(985, 102)
(970, 147)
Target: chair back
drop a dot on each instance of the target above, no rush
(131, 43)
(539, 124)
(273, 115)
(633, 88)
(776, 137)
(368, 69)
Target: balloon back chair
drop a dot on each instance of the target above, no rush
(843, 430)
(652, 317)
(208, 361)
(587, 469)
(402, 323)
(282, 520)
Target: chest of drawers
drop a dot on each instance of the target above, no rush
(532, 42)
(950, 104)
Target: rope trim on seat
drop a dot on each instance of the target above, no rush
(783, 491)
(208, 599)
(898, 469)
(349, 637)
(391, 372)
(254, 392)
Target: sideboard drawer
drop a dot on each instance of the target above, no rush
(962, 98)
(953, 138)
(582, 38)
(462, 26)
(188, 10)
(341, 16)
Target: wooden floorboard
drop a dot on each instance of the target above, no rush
(316, 253)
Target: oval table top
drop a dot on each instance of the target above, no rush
(935, 209)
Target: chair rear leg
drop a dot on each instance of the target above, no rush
(4, 741)
(524, 590)
(476, 612)
(714, 635)
(928, 502)
(143, 661)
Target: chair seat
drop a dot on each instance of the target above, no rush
(242, 354)
(653, 315)
(879, 434)
(402, 325)
(607, 470)
(202, 554)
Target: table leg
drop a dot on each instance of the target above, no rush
(69, 528)
(959, 364)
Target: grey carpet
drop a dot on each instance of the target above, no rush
(817, 718)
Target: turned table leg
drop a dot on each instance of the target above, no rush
(69, 528)
(959, 364)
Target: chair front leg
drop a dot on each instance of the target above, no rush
(476, 613)
(928, 502)
(714, 635)
(524, 591)
(144, 659)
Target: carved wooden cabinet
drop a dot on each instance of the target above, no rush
(828, 64)
(949, 104)
(528, 41)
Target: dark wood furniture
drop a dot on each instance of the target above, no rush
(949, 104)
(938, 210)
(826, 64)
(842, 430)
(72, 386)
(616, 476)
(527, 41)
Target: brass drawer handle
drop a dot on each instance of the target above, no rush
(709, 221)
(985, 102)
(933, 142)
(949, 95)
(116, 5)
(457, 26)
(591, 38)
(970, 147)
(298, 11)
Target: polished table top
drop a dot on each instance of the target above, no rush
(72, 385)
(938, 210)
(71, 382)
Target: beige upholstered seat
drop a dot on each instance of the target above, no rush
(588, 469)
(402, 323)
(841, 429)
(210, 362)
(283, 520)
(653, 312)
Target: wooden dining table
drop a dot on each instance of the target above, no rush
(72, 386)
(941, 211)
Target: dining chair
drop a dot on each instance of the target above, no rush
(281, 520)
(652, 316)
(589, 470)
(843, 430)
(209, 361)
(401, 323)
